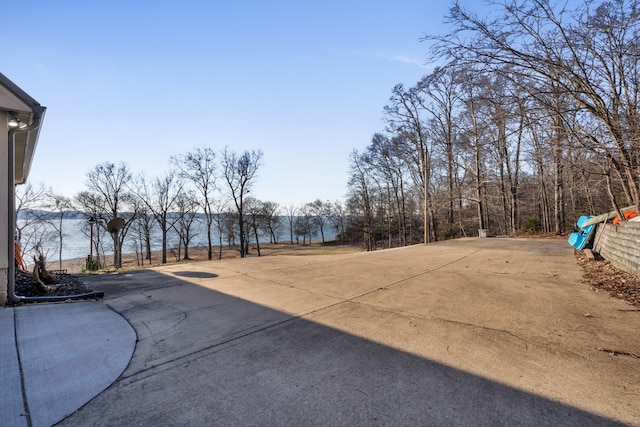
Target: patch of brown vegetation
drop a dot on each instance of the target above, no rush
(601, 275)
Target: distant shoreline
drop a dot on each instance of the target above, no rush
(75, 244)
(131, 261)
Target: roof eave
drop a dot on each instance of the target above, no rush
(25, 140)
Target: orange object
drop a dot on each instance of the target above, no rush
(627, 215)
(17, 253)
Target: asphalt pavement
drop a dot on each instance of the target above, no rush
(464, 332)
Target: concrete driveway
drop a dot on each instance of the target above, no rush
(464, 332)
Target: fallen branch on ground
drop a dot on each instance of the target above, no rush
(618, 352)
(46, 282)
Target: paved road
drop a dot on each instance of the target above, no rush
(464, 332)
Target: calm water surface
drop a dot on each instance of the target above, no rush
(75, 240)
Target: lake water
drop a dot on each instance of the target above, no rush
(75, 242)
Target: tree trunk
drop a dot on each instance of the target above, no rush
(558, 178)
(208, 216)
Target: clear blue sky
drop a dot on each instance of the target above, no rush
(139, 81)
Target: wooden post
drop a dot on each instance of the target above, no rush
(606, 216)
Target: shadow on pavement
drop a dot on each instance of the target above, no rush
(206, 358)
(195, 274)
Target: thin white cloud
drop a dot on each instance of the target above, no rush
(404, 59)
(407, 60)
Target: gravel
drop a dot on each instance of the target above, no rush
(70, 285)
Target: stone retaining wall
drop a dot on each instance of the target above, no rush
(620, 244)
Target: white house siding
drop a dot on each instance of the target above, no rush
(4, 199)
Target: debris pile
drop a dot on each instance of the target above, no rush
(601, 275)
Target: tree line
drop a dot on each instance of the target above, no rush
(199, 186)
(530, 120)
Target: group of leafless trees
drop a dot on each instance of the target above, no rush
(201, 187)
(530, 120)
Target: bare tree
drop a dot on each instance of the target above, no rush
(388, 165)
(220, 219)
(255, 219)
(272, 220)
(360, 199)
(320, 212)
(93, 207)
(337, 217)
(505, 120)
(199, 167)
(187, 205)
(61, 205)
(229, 222)
(303, 225)
(442, 100)
(143, 227)
(475, 129)
(239, 172)
(29, 223)
(589, 54)
(160, 198)
(404, 115)
(110, 183)
(290, 212)
(534, 116)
